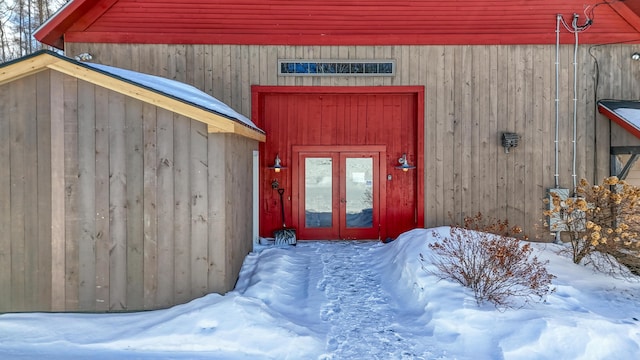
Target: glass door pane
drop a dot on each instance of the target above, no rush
(318, 190)
(359, 192)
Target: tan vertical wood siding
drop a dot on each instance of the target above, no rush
(472, 95)
(107, 201)
(25, 190)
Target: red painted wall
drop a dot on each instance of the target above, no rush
(334, 22)
(342, 118)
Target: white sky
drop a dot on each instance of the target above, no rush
(350, 300)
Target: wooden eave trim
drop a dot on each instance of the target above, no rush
(627, 14)
(215, 123)
(26, 67)
(618, 120)
(148, 96)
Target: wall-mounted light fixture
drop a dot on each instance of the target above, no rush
(404, 164)
(635, 56)
(84, 57)
(509, 140)
(277, 166)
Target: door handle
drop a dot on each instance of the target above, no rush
(344, 201)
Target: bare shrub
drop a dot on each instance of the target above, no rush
(602, 222)
(491, 225)
(498, 269)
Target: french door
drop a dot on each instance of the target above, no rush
(338, 193)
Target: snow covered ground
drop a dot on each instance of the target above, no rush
(350, 300)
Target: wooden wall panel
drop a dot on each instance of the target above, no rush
(217, 186)
(102, 201)
(199, 170)
(239, 207)
(5, 194)
(134, 203)
(126, 213)
(117, 203)
(87, 196)
(538, 132)
(472, 95)
(71, 200)
(31, 194)
(165, 208)
(182, 210)
(18, 128)
(43, 214)
(229, 219)
(150, 208)
(24, 241)
(58, 214)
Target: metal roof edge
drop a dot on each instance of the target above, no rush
(605, 108)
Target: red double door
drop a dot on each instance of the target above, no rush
(338, 191)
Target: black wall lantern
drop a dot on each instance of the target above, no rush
(509, 140)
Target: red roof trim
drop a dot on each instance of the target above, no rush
(407, 39)
(609, 113)
(626, 13)
(53, 30)
(92, 15)
(74, 23)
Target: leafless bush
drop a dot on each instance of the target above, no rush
(498, 269)
(491, 225)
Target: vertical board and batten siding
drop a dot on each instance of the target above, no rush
(71, 196)
(110, 203)
(25, 211)
(472, 95)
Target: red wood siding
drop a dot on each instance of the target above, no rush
(338, 119)
(334, 22)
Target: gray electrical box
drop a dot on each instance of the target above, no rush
(556, 223)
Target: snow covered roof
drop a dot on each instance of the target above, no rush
(625, 113)
(165, 93)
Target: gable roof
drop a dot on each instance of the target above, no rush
(335, 22)
(625, 113)
(168, 94)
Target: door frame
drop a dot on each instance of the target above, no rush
(279, 142)
(382, 171)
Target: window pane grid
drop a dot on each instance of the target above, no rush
(336, 68)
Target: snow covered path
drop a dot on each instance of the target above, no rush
(325, 300)
(359, 311)
(344, 300)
